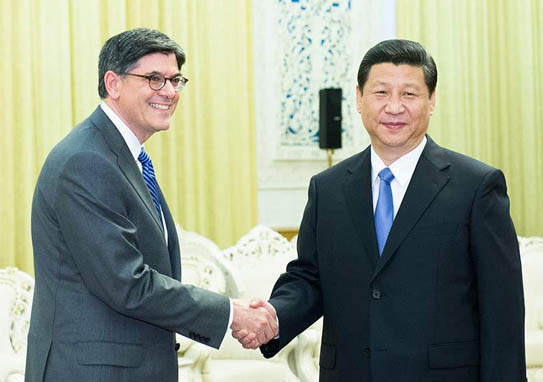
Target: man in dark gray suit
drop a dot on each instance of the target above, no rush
(406, 249)
(108, 296)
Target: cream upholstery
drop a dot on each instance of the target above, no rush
(531, 250)
(242, 271)
(202, 265)
(307, 352)
(258, 257)
(16, 289)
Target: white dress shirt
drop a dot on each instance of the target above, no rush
(402, 169)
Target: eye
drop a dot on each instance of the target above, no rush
(409, 94)
(155, 78)
(176, 81)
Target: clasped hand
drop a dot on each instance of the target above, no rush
(254, 322)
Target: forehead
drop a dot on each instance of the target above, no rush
(165, 63)
(390, 74)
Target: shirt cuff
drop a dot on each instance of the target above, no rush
(278, 328)
(230, 318)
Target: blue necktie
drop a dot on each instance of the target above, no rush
(384, 212)
(149, 178)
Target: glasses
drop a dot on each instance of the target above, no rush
(157, 81)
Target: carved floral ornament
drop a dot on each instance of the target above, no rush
(22, 286)
(260, 242)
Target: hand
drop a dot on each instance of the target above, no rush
(258, 303)
(255, 324)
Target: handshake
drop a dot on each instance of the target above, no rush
(254, 322)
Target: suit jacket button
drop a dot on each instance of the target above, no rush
(376, 294)
(177, 346)
(367, 352)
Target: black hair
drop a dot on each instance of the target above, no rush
(399, 52)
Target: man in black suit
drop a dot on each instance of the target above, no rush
(407, 249)
(108, 295)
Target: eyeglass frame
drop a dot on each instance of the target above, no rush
(183, 81)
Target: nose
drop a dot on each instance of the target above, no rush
(394, 106)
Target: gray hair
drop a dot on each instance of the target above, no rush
(121, 52)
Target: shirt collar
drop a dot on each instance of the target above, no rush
(129, 137)
(402, 168)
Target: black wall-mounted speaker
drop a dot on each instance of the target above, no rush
(330, 118)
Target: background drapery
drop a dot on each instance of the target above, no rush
(205, 163)
(489, 104)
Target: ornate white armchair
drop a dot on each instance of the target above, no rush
(16, 289)
(531, 252)
(307, 352)
(203, 266)
(258, 258)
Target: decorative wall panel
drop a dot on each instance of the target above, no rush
(300, 47)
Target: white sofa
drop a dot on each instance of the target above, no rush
(250, 269)
(531, 251)
(16, 290)
(201, 266)
(247, 269)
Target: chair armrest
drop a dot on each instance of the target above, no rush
(192, 358)
(306, 355)
(534, 348)
(288, 355)
(15, 378)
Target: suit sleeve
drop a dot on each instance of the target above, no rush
(93, 215)
(496, 256)
(297, 295)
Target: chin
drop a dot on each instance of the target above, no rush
(162, 125)
(394, 143)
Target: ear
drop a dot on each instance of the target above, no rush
(432, 102)
(113, 83)
(358, 100)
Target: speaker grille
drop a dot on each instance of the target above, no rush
(330, 118)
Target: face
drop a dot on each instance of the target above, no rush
(144, 110)
(395, 106)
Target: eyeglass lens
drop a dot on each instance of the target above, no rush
(157, 82)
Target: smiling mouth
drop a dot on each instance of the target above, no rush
(159, 106)
(394, 125)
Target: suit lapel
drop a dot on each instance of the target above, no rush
(125, 160)
(173, 243)
(358, 193)
(427, 181)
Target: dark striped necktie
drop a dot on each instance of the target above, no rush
(149, 177)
